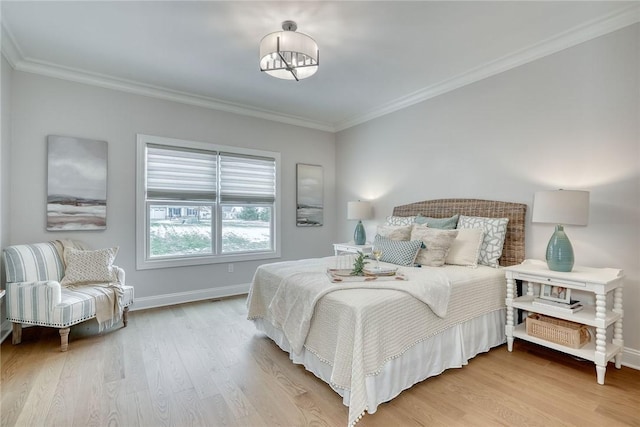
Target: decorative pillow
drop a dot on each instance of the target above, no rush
(441, 223)
(83, 267)
(495, 231)
(436, 244)
(465, 249)
(395, 232)
(400, 220)
(397, 251)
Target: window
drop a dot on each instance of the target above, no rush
(200, 203)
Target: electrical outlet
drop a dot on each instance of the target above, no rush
(230, 268)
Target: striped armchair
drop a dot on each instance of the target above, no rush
(35, 296)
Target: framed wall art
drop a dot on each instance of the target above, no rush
(309, 195)
(76, 184)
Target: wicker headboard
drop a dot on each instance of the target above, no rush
(513, 251)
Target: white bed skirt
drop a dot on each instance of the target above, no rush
(452, 348)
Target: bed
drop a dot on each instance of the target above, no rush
(371, 340)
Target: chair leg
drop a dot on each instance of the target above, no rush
(125, 316)
(64, 339)
(16, 335)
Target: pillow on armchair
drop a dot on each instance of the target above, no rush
(84, 267)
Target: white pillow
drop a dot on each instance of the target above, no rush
(465, 249)
(395, 232)
(84, 267)
(400, 220)
(436, 244)
(495, 231)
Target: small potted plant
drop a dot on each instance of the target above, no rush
(358, 265)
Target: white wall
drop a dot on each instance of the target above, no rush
(44, 106)
(5, 143)
(569, 121)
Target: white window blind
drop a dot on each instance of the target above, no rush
(181, 174)
(247, 179)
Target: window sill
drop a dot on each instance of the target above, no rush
(219, 259)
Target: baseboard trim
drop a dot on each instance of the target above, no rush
(631, 358)
(190, 296)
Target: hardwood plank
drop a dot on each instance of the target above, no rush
(42, 392)
(205, 364)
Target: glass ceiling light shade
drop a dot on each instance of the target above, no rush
(289, 55)
(561, 207)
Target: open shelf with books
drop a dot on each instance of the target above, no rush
(586, 316)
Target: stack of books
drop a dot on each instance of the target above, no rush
(379, 271)
(571, 307)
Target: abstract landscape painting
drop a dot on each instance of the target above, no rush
(310, 196)
(76, 184)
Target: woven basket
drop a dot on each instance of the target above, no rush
(563, 332)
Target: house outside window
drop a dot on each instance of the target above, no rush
(200, 203)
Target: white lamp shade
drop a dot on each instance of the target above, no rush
(565, 207)
(359, 210)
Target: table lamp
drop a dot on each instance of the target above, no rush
(359, 211)
(560, 207)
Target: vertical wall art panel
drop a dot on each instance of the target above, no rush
(310, 195)
(76, 184)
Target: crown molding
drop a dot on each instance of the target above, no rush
(572, 37)
(9, 47)
(18, 61)
(580, 34)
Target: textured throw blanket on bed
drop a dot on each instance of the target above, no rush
(294, 302)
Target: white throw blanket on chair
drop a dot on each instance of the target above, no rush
(108, 296)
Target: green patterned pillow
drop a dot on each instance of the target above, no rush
(401, 252)
(441, 223)
(84, 267)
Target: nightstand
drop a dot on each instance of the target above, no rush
(352, 248)
(599, 281)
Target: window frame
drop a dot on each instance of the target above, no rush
(143, 261)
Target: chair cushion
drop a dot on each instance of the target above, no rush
(35, 262)
(77, 305)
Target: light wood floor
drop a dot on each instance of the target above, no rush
(204, 364)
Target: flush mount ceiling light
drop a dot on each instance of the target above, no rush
(289, 55)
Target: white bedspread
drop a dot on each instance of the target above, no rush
(357, 327)
(295, 300)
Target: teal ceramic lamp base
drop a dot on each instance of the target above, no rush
(559, 251)
(359, 235)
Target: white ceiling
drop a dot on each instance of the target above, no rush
(375, 56)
